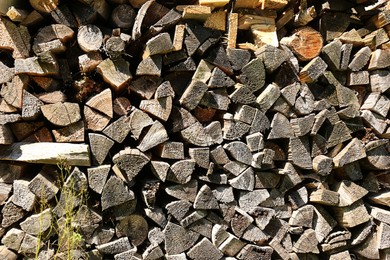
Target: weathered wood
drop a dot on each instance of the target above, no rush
(379, 59)
(155, 136)
(15, 39)
(352, 152)
(131, 161)
(145, 86)
(313, 70)
(94, 120)
(253, 74)
(333, 24)
(123, 16)
(49, 153)
(138, 121)
(100, 146)
(115, 193)
(171, 150)
(353, 215)
(196, 12)
(150, 66)
(280, 127)
(332, 53)
(301, 40)
(115, 72)
(181, 171)
(178, 37)
(43, 65)
(178, 239)
(45, 6)
(61, 114)
(121, 106)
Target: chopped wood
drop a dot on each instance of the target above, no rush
(196, 12)
(352, 152)
(232, 30)
(178, 37)
(131, 161)
(116, 73)
(75, 154)
(313, 70)
(43, 65)
(171, 150)
(353, 215)
(301, 39)
(61, 114)
(123, 16)
(15, 39)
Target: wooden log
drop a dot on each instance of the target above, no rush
(353, 215)
(217, 21)
(325, 197)
(6, 73)
(89, 38)
(49, 153)
(114, 47)
(52, 97)
(332, 54)
(131, 161)
(352, 152)
(178, 239)
(102, 102)
(138, 121)
(171, 150)
(43, 65)
(63, 15)
(155, 136)
(349, 193)
(196, 12)
(277, 131)
(115, 72)
(115, 193)
(95, 120)
(89, 61)
(313, 70)
(181, 171)
(333, 25)
(145, 86)
(31, 107)
(232, 30)
(178, 37)
(121, 106)
(379, 59)
(303, 37)
(12, 92)
(61, 114)
(100, 146)
(15, 39)
(73, 133)
(123, 16)
(151, 66)
(253, 74)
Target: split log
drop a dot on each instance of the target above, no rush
(61, 114)
(49, 153)
(15, 39)
(43, 65)
(115, 72)
(131, 161)
(95, 120)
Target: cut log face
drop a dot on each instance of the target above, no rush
(62, 114)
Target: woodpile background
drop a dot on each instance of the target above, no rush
(210, 129)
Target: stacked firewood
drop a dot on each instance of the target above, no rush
(210, 129)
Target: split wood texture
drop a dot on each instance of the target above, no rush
(210, 129)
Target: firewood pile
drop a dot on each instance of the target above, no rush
(210, 129)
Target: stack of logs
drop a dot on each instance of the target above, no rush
(210, 129)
